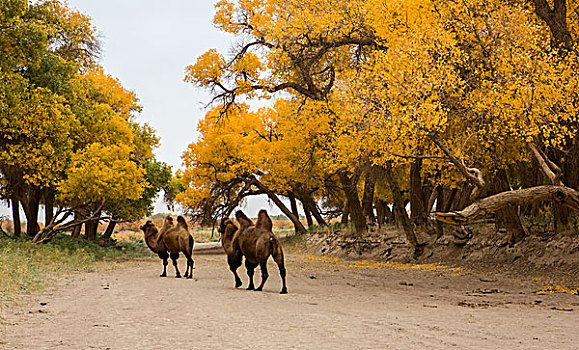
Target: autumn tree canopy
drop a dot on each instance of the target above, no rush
(447, 101)
(69, 139)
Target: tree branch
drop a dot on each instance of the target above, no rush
(550, 169)
(473, 175)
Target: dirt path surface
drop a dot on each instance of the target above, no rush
(328, 307)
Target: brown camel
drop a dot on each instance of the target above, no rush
(177, 238)
(257, 243)
(229, 233)
(154, 241)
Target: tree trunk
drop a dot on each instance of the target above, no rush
(380, 212)
(401, 215)
(556, 19)
(508, 217)
(109, 230)
(90, 231)
(383, 213)
(570, 169)
(48, 208)
(16, 217)
(76, 231)
(440, 206)
(345, 213)
(308, 215)
(418, 213)
(293, 206)
(31, 207)
(355, 209)
(462, 197)
(368, 197)
(309, 204)
(529, 175)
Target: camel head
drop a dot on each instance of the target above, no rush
(224, 224)
(149, 228)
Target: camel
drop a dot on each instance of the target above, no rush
(257, 243)
(154, 241)
(229, 233)
(177, 238)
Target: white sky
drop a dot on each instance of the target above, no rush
(146, 45)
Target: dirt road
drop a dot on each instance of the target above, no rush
(328, 307)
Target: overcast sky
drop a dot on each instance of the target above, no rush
(146, 45)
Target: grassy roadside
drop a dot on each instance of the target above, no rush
(26, 267)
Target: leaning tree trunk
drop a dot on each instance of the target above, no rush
(508, 217)
(355, 209)
(299, 227)
(401, 215)
(16, 217)
(308, 214)
(109, 230)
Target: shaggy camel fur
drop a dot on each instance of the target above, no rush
(177, 238)
(229, 233)
(257, 243)
(154, 241)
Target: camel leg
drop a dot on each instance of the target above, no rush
(234, 262)
(174, 257)
(189, 272)
(250, 269)
(165, 258)
(189, 256)
(264, 275)
(278, 258)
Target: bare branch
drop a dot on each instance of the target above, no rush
(550, 169)
(473, 175)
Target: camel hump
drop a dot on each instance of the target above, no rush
(264, 221)
(168, 220)
(243, 220)
(181, 221)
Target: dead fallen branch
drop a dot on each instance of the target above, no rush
(560, 194)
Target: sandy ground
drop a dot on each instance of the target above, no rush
(328, 307)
